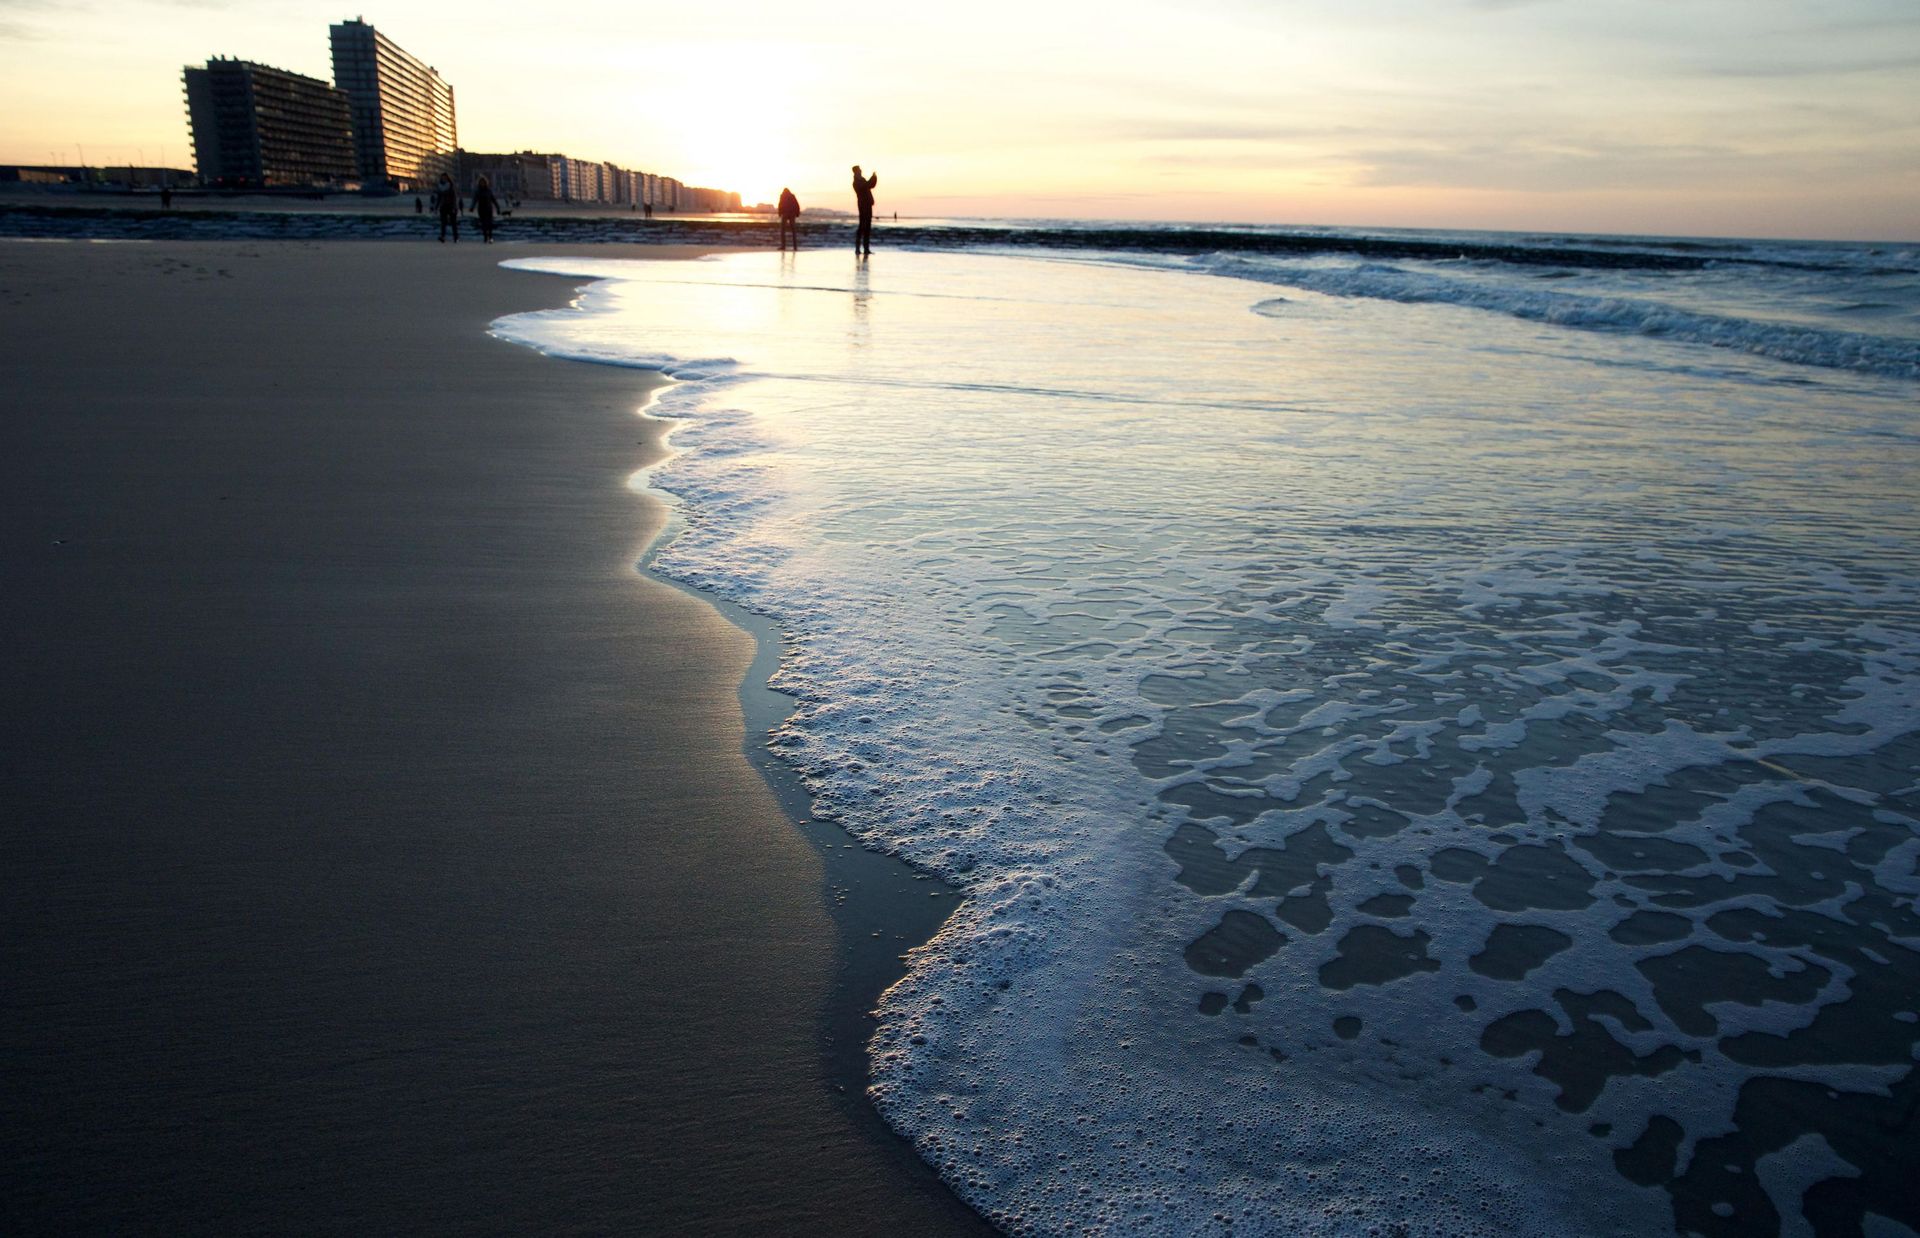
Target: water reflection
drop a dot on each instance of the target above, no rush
(1353, 726)
(858, 336)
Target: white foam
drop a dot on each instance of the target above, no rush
(1796, 343)
(962, 535)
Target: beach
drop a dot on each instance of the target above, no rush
(1409, 733)
(381, 850)
(1260, 622)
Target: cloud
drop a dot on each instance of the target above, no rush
(1832, 67)
(14, 30)
(1597, 165)
(1216, 130)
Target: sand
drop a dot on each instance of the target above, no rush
(379, 851)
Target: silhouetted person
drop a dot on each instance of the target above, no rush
(789, 218)
(863, 197)
(166, 197)
(447, 199)
(419, 207)
(484, 206)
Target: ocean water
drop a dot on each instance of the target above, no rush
(1429, 745)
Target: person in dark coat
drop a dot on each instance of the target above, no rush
(863, 198)
(789, 218)
(447, 200)
(484, 206)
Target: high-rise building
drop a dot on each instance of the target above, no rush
(403, 125)
(255, 125)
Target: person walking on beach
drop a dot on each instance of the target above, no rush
(863, 197)
(484, 206)
(789, 218)
(447, 199)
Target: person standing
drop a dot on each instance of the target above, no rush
(447, 200)
(863, 198)
(789, 218)
(484, 206)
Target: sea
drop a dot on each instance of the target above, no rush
(1426, 725)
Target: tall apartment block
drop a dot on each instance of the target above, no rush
(403, 124)
(254, 125)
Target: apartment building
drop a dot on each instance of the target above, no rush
(404, 130)
(257, 126)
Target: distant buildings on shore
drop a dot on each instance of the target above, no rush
(386, 122)
(124, 175)
(256, 125)
(403, 124)
(529, 176)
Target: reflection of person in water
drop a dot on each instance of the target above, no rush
(789, 218)
(863, 197)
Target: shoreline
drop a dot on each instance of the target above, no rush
(337, 892)
(27, 219)
(876, 895)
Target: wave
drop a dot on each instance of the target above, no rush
(1789, 342)
(1133, 728)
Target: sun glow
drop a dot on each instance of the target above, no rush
(1660, 118)
(734, 144)
(748, 130)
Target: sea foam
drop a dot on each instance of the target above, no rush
(1646, 314)
(1400, 782)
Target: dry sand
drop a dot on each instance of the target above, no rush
(378, 851)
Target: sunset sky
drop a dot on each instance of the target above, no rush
(1727, 117)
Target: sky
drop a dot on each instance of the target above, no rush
(1676, 117)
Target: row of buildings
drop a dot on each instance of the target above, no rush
(124, 176)
(531, 176)
(385, 121)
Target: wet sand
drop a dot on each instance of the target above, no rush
(380, 850)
